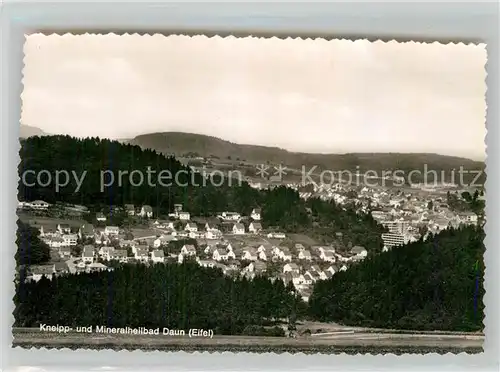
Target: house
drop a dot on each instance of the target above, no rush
(343, 268)
(111, 230)
(285, 254)
(262, 255)
(206, 263)
(468, 217)
(238, 229)
(184, 216)
(104, 252)
(39, 205)
(255, 227)
(177, 208)
(118, 255)
(220, 254)
(359, 251)
(141, 254)
(257, 267)
(70, 239)
(213, 234)
(327, 256)
(276, 235)
(163, 240)
(64, 228)
(255, 215)
(54, 242)
(308, 278)
(95, 267)
(48, 230)
(100, 217)
(305, 255)
(332, 269)
(60, 268)
(188, 250)
(86, 231)
(88, 254)
(231, 216)
(65, 252)
(249, 254)
(291, 268)
(129, 209)
(158, 256)
(38, 272)
(146, 211)
(191, 227)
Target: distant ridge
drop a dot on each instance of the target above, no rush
(26, 131)
(189, 144)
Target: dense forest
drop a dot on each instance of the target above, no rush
(282, 208)
(178, 296)
(431, 285)
(30, 249)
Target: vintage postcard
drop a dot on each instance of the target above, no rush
(251, 195)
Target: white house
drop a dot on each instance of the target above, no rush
(158, 256)
(299, 247)
(118, 255)
(146, 211)
(191, 227)
(255, 215)
(220, 254)
(39, 205)
(100, 217)
(276, 235)
(327, 256)
(105, 252)
(238, 229)
(188, 250)
(255, 227)
(206, 263)
(249, 254)
(111, 230)
(141, 254)
(262, 255)
(231, 216)
(213, 234)
(305, 255)
(88, 254)
(291, 268)
(70, 239)
(184, 216)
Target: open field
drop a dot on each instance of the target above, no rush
(336, 342)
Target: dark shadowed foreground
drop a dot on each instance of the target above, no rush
(355, 342)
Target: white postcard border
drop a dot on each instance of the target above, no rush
(426, 22)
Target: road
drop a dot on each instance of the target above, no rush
(333, 342)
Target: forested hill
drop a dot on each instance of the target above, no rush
(183, 144)
(431, 285)
(282, 207)
(173, 296)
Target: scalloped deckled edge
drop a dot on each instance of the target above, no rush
(249, 35)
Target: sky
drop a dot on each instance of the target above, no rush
(315, 96)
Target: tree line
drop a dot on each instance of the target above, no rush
(179, 296)
(435, 284)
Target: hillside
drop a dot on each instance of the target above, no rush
(431, 285)
(282, 208)
(185, 144)
(26, 131)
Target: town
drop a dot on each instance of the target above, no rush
(236, 244)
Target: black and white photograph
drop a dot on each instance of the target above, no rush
(251, 194)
